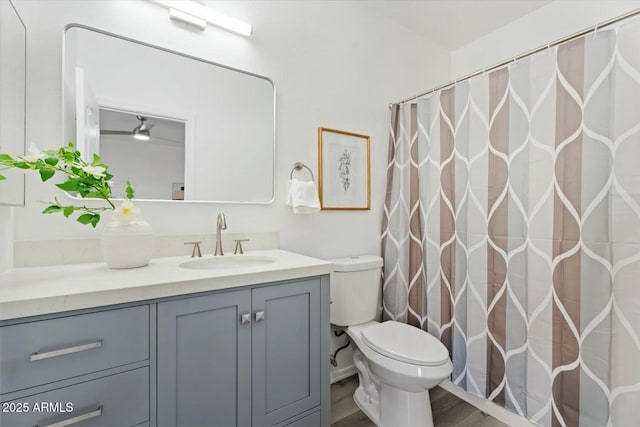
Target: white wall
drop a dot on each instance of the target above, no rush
(6, 238)
(333, 63)
(554, 21)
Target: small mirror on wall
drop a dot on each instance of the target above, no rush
(13, 42)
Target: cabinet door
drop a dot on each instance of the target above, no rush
(204, 355)
(286, 350)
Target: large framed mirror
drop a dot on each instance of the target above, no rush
(179, 127)
(13, 66)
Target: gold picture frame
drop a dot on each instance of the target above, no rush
(344, 169)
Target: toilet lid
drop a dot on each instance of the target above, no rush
(405, 343)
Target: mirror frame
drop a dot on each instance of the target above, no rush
(24, 113)
(184, 55)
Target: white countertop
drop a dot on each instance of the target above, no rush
(43, 290)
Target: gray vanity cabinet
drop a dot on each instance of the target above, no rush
(286, 351)
(204, 361)
(240, 358)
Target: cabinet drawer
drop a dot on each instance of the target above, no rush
(117, 400)
(42, 352)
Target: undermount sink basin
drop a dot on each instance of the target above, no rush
(227, 261)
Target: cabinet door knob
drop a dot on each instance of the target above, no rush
(259, 316)
(245, 318)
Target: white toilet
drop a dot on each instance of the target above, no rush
(397, 364)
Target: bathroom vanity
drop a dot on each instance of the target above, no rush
(224, 343)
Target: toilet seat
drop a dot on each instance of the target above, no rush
(405, 343)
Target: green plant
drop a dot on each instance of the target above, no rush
(87, 180)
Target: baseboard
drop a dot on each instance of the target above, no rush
(488, 407)
(340, 374)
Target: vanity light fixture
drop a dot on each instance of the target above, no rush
(178, 15)
(199, 15)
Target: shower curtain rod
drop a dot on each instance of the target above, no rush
(594, 28)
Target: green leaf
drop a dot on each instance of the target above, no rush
(51, 161)
(52, 209)
(69, 185)
(6, 158)
(86, 218)
(97, 161)
(129, 190)
(22, 165)
(67, 211)
(46, 174)
(95, 220)
(2, 177)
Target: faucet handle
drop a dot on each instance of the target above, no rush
(238, 250)
(196, 249)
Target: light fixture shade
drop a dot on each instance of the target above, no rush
(178, 15)
(200, 11)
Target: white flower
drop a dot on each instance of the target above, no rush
(96, 171)
(34, 154)
(127, 213)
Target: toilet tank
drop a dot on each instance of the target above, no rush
(355, 285)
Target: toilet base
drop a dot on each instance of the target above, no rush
(389, 406)
(370, 409)
(397, 408)
(403, 408)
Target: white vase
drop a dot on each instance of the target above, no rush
(127, 246)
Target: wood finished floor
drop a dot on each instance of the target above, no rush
(448, 410)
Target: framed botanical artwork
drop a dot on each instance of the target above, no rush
(344, 167)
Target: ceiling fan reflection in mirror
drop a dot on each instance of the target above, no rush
(119, 125)
(140, 132)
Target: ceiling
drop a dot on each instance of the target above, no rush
(453, 23)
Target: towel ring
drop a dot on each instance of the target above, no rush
(298, 166)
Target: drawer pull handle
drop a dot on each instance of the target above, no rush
(75, 420)
(259, 316)
(246, 318)
(68, 350)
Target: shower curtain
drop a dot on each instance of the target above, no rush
(512, 230)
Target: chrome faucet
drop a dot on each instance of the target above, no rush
(221, 224)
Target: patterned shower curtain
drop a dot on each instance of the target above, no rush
(512, 230)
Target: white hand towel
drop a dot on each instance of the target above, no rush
(303, 196)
